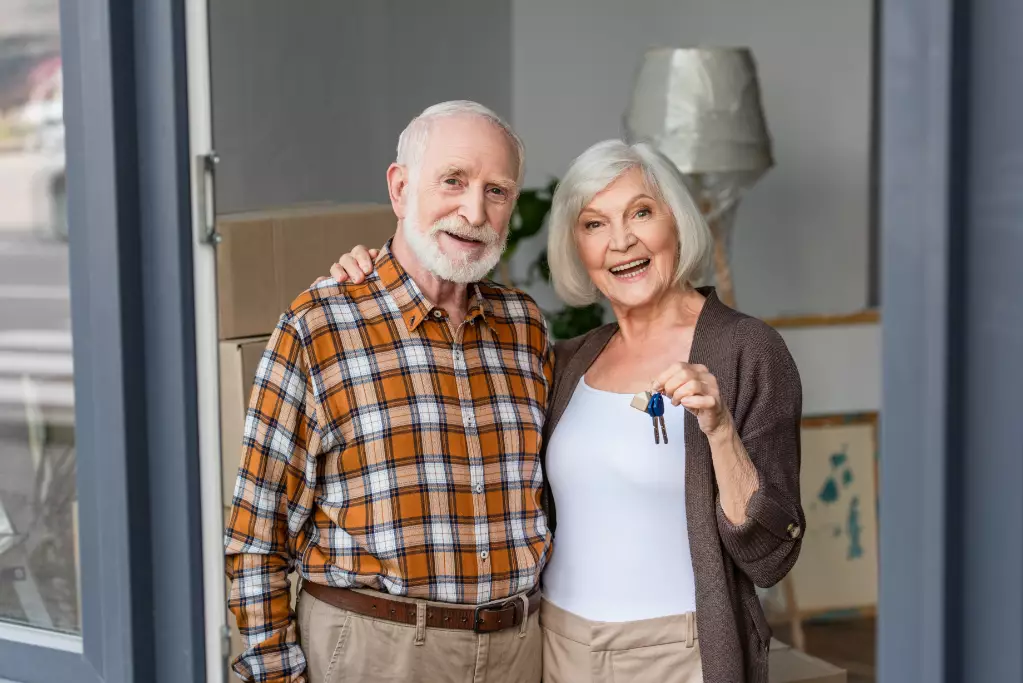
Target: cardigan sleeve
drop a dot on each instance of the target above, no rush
(767, 415)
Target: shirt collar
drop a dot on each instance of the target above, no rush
(414, 306)
(480, 307)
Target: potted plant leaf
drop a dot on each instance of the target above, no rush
(527, 221)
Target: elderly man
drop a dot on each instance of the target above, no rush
(391, 450)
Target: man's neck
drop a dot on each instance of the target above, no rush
(450, 296)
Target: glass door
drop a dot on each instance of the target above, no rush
(39, 579)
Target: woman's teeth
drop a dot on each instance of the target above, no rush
(630, 269)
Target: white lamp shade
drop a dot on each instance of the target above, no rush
(701, 108)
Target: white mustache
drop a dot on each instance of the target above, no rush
(459, 227)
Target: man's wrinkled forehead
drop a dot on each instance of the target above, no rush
(472, 145)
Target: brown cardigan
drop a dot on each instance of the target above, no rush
(759, 383)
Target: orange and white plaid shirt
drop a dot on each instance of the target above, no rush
(381, 450)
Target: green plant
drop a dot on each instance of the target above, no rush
(527, 221)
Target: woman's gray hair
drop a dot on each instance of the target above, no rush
(412, 142)
(592, 172)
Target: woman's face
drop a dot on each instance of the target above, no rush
(627, 241)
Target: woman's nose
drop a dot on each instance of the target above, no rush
(621, 237)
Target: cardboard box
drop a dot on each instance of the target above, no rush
(239, 359)
(268, 258)
(792, 666)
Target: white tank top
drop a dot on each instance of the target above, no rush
(621, 547)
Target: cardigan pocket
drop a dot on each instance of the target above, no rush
(756, 615)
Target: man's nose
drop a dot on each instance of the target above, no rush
(474, 207)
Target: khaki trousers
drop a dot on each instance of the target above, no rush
(345, 647)
(575, 650)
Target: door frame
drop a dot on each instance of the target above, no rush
(951, 513)
(202, 178)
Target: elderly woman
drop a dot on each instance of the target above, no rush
(664, 525)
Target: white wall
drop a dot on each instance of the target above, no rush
(840, 367)
(309, 98)
(802, 235)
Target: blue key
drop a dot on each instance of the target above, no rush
(657, 405)
(656, 410)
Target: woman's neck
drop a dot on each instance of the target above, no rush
(676, 309)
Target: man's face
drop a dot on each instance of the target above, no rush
(458, 205)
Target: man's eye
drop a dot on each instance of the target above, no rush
(499, 191)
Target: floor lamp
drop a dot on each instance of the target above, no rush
(701, 108)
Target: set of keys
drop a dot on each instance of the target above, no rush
(653, 405)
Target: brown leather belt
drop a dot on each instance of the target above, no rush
(482, 619)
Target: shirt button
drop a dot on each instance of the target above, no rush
(479, 488)
(793, 530)
(437, 313)
(484, 554)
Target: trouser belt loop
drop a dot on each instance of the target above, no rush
(525, 615)
(420, 622)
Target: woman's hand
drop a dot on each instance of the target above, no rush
(696, 389)
(353, 266)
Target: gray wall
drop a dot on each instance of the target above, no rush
(801, 243)
(309, 98)
(308, 104)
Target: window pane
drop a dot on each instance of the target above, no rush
(38, 518)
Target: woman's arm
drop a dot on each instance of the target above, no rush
(734, 471)
(755, 452)
(769, 401)
(696, 388)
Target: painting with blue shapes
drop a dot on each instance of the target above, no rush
(837, 567)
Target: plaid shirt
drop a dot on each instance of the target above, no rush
(381, 450)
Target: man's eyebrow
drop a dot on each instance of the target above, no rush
(505, 183)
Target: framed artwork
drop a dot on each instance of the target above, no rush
(838, 564)
(870, 316)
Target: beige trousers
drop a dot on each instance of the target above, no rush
(344, 647)
(575, 650)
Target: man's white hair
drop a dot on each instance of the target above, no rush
(592, 172)
(412, 142)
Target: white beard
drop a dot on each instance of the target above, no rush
(462, 269)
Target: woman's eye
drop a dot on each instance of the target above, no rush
(592, 225)
(498, 191)
(451, 181)
(643, 213)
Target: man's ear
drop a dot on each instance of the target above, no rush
(397, 188)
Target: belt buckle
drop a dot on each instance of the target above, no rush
(477, 620)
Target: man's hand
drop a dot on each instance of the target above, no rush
(353, 266)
